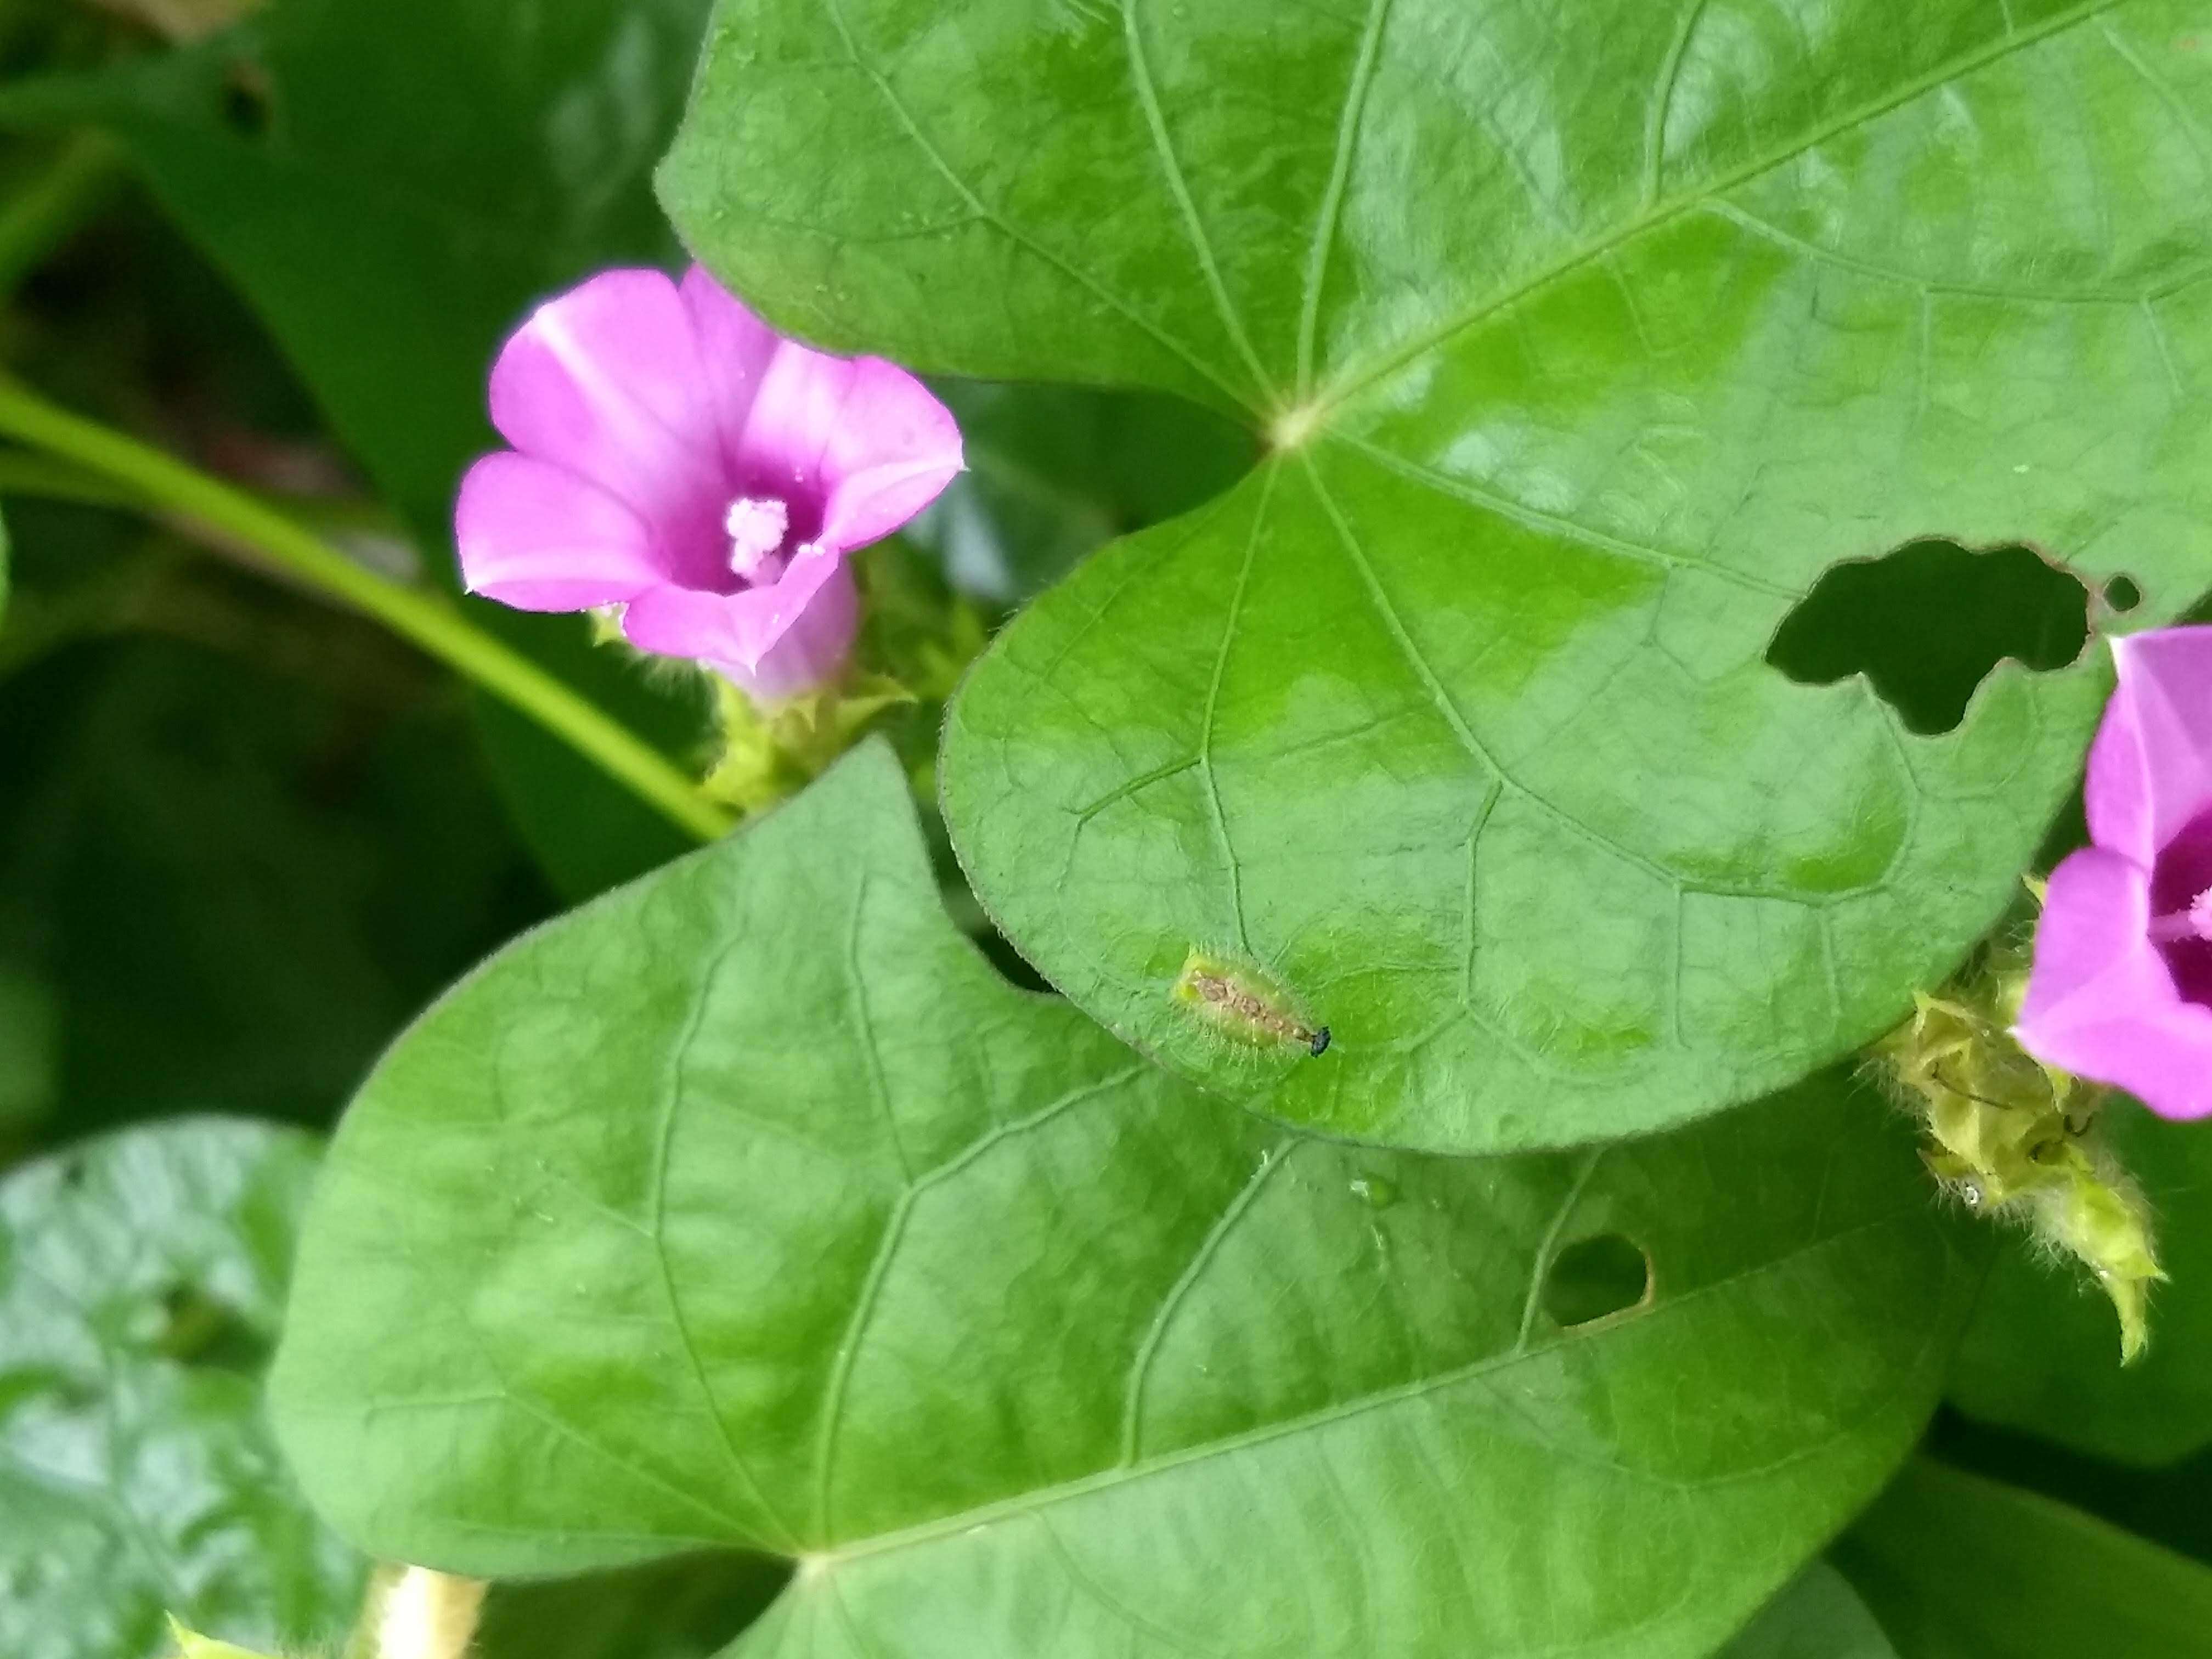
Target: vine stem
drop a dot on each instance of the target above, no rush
(429, 621)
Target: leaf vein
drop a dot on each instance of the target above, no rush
(1148, 1350)
(1013, 232)
(1179, 187)
(1357, 379)
(1329, 220)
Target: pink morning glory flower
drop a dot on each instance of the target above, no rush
(2121, 991)
(675, 457)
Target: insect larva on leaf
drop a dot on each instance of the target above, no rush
(1245, 1005)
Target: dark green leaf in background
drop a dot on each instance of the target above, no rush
(1586, 338)
(1820, 1616)
(749, 1207)
(389, 256)
(390, 253)
(1957, 1566)
(232, 884)
(30, 1055)
(1053, 472)
(687, 1609)
(141, 1281)
(2039, 1354)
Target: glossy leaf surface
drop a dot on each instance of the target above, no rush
(1957, 1566)
(1586, 338)
(749, 1206)
(2040, 1354)
(141, 1281)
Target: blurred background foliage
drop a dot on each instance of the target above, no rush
(244, 835)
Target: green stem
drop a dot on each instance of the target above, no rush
(25, 474)
(430, 622)
(42, 215)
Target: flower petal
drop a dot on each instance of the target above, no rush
(813, 650)
(538, 537)
(860, 437)
(2100, 1001)
(891, 456)
(2150, 768)
(745, 635)
(735, 349)
(605, 380)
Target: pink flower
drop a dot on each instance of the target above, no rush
(676, 456)
(2121, 991)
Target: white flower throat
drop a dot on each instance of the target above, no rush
(757, 526)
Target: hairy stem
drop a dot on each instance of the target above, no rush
(429, 621)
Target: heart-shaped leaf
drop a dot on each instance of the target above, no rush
(749, 1206)
(2042, 1352)
(1585, 338)
(141, 1277)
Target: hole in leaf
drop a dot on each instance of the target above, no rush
(199, 1331)
(2122, 594)
(248, 101)
(1595, 1277)
(1927, 624)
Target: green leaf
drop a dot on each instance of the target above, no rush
(688, 1608)
(1961, 1567)
(393, 183)
(1820, 1616)
(587, 835)
(235, 885)
(141, 1280)
(1585, 338)
(748, 1207)
(30, 1057)
(2042, 1353)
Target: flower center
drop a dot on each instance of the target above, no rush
(2195, 922)
(757, 526)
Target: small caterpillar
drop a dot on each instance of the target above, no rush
(1243, 1004)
